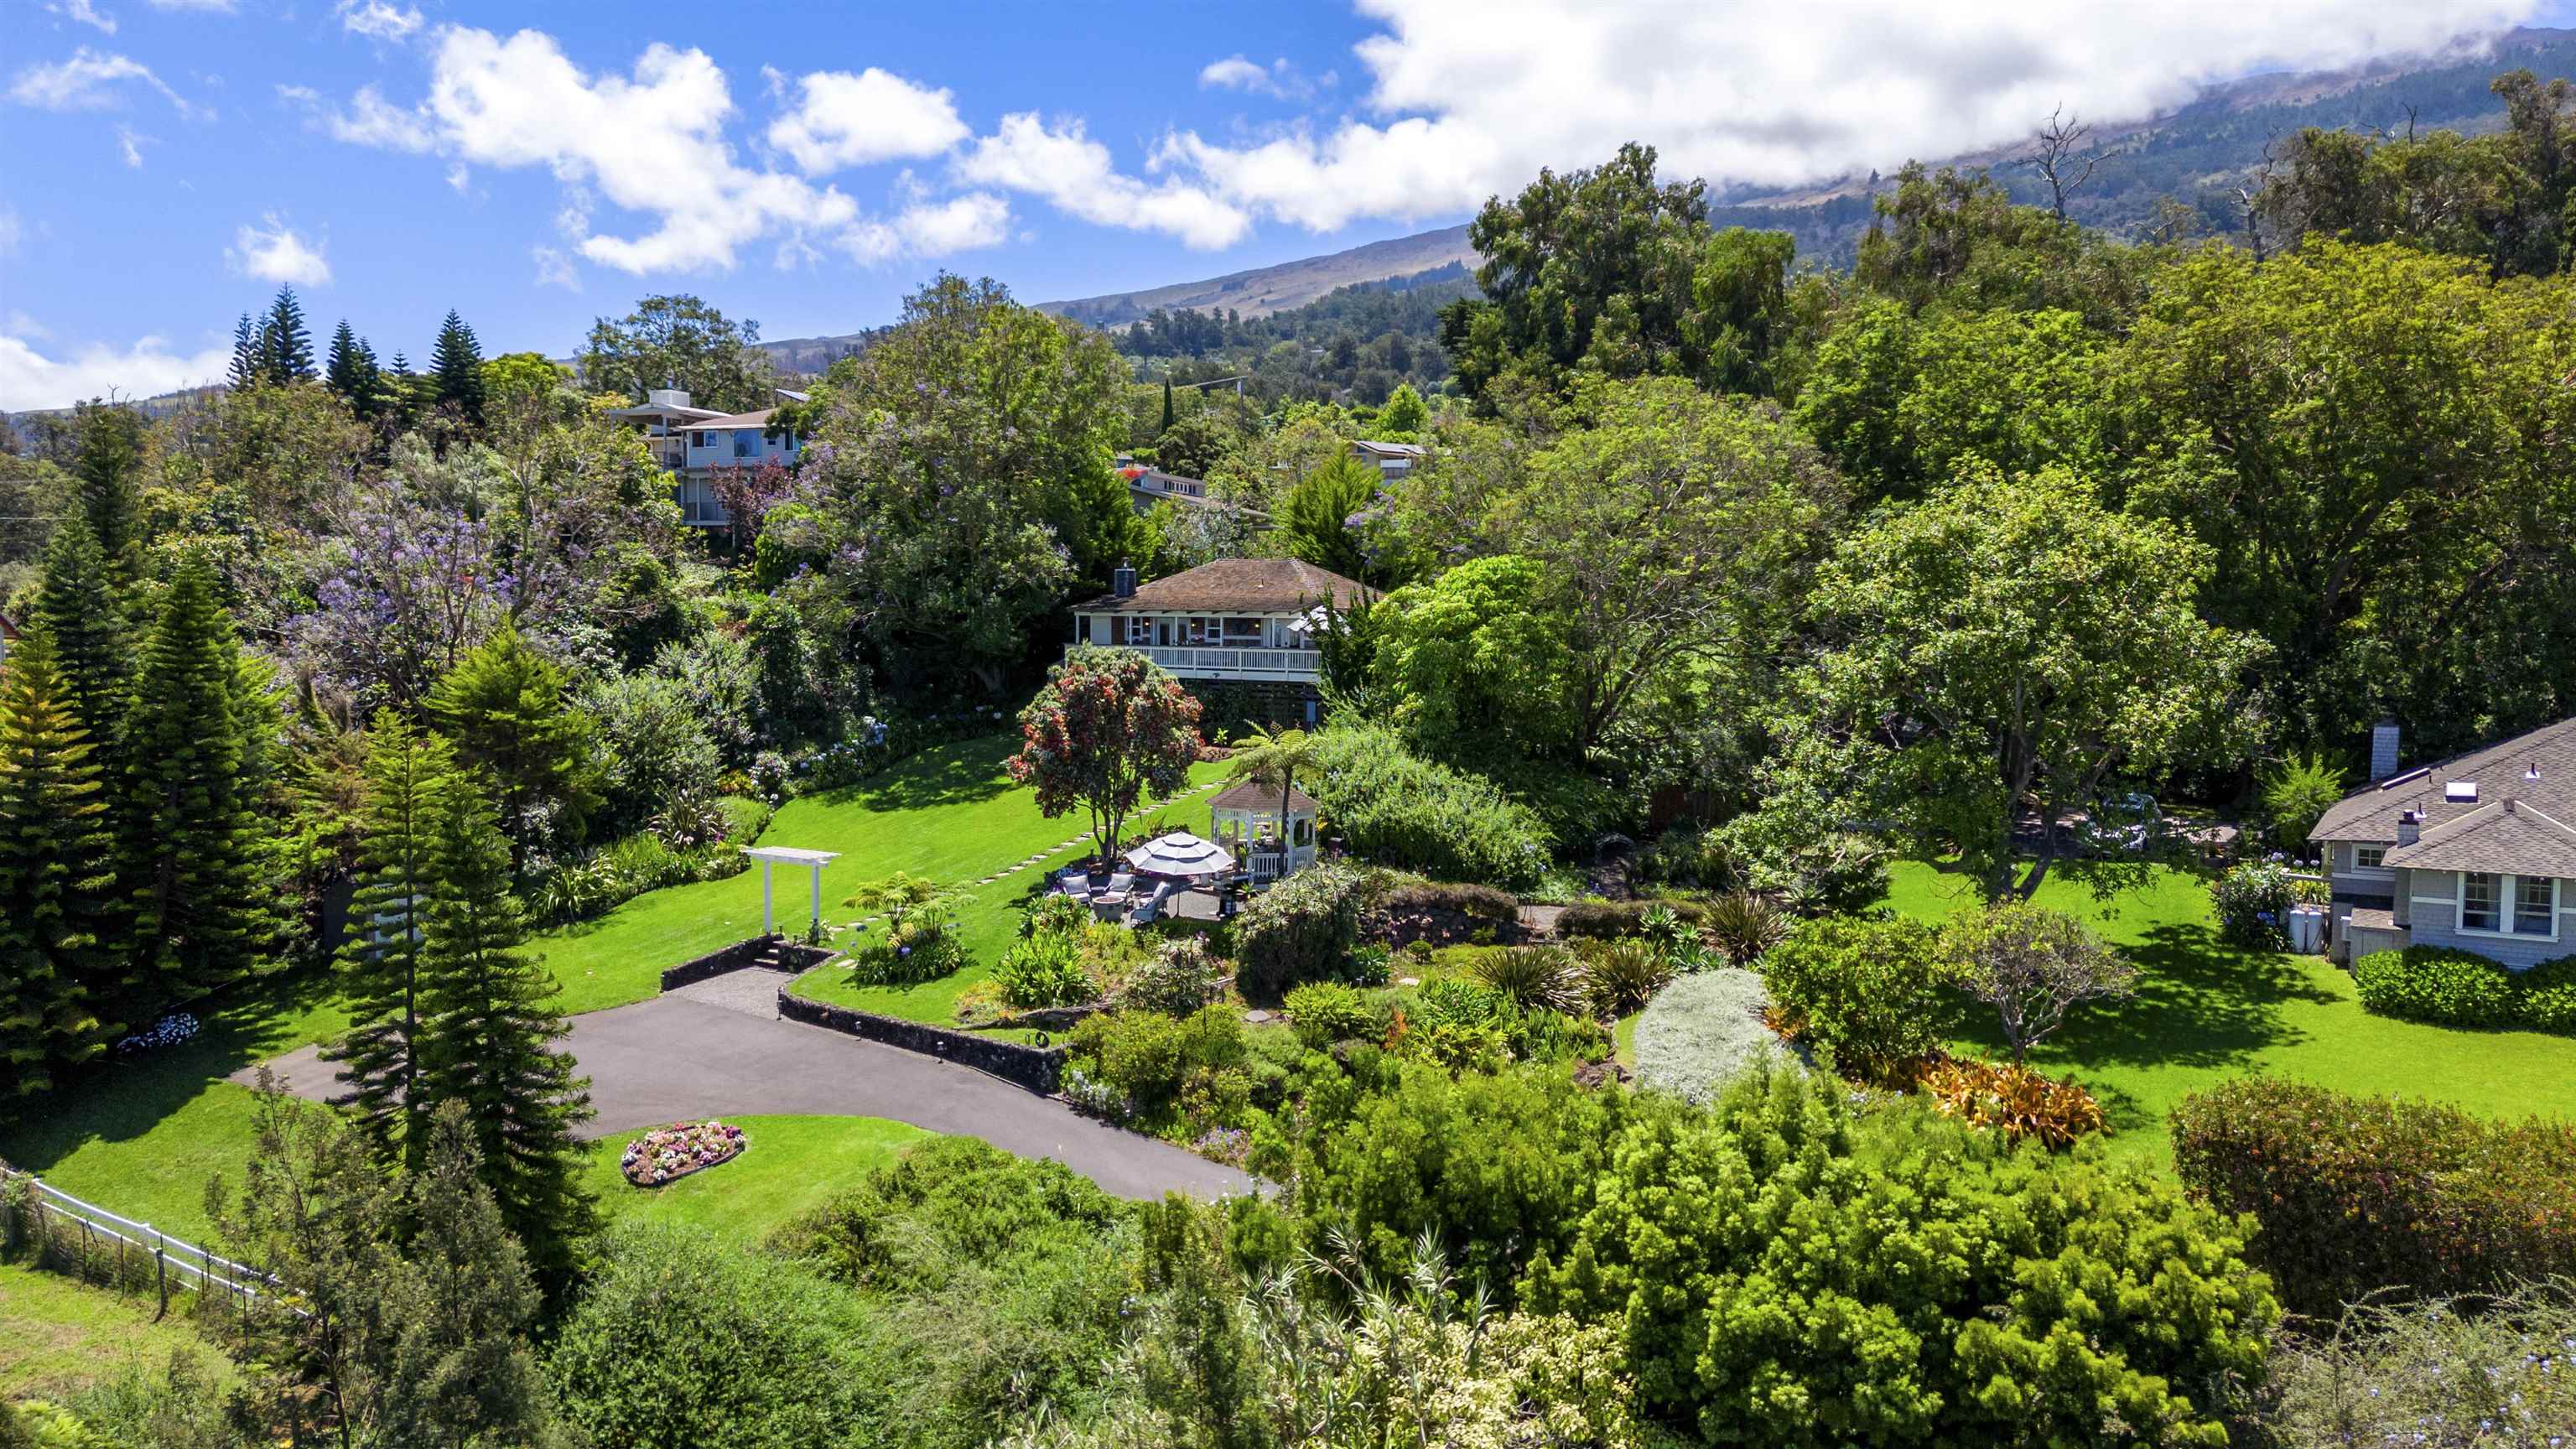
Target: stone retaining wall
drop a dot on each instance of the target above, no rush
(1040, 1069)
(793, 957)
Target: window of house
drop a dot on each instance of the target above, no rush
(1140, 630)
(697, 437)
(746, 443)
(2535, 905)
(1243, 630)
(2368, 857)
(2477, 901)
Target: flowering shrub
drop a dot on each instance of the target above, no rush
(667, 1154)
(168, 1032)
(2498, 1370)
(2253, 903)
(2356, 1193)
(2437, 984)
(1229, 1145)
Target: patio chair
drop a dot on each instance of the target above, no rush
(1122, 883)
(1152, 906)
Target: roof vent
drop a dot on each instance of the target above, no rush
(2461, 792)
(2531, 771)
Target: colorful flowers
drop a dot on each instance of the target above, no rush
(169, 1031)
(667, 1154)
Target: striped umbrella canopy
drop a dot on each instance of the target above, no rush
(1180, 854)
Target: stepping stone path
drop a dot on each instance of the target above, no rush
(1061, 848)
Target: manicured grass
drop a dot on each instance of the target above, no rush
(794, 1164)
(2205, 1013)
(950, 814)
(142, 1138)
(58, 1334)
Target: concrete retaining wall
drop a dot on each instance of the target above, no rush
(1040, 1069)
(792, 957)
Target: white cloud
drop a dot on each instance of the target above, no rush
(371, 120)
(933, 228)
(845, 120)
(85, 13)
(90, 80)
(377, 20)
(554, 268)
(1471, 97)
(19, 324)
(29, 379)
(203, 7)
(1074, 172)
(273, 252)
(129, 144)
(1278, 78)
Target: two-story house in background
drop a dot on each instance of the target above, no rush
(692, 442)
(2476, 852)
(1250, 622)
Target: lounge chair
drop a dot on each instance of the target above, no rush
(1152, 907)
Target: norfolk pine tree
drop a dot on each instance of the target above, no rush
(407, 767)
(511, 715)
(285, 348)
(192, 843)
(93, 641)
(456, 362)
(488, 1030)
(245, 366)
(56, 876)
(107, 465)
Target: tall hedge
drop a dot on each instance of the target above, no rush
(1397, 808)
(1300, 930)
(2355, 1194)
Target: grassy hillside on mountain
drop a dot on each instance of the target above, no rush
(1264, 290)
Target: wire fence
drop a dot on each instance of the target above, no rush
(63, 1234)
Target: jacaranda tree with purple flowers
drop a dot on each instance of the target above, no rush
(1109, 726)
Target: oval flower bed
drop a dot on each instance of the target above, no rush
(667, 1154)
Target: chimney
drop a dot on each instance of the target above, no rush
(2410, 827)
(2383, 749)
(1122, 580)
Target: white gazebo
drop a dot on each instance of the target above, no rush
(1246, 817)
(773, 856)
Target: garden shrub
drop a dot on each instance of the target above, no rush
(1399, 809)
(1391, 892)
(1369, 965)
(1301, 929)
(1609, 920)
(1622, 976)
(1545, 978)
(1061, 914)
(2546, 996)
(2494, 1370)
(1150, 1060)
(1788, 1274)
(1744, 925)
(744, 818)
(1324, 1012)
(1702, 1030)
(1043, 970)
(2253, 903)
(1179, 979)
(1464, 1024)
(1875, 993)
(2016, 1101)
(944, 1199)
(682, 1338)
(2356, 1194)
(2437, 984)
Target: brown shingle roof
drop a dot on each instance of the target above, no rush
(2508, 837)
(759, 419)
(2500, 771)
(1237, 586)
(1253, 795)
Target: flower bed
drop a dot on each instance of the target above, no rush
(168, 1032)
(667, 1154)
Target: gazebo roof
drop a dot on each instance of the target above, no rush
(1252, 795)
(789, 855)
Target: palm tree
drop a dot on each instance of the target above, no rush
(1268, 755)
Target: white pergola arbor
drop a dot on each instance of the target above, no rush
(773, 856)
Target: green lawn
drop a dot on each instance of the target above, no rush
(2204, 1013)
(950, 814)
(58, 1334)
(794, 1164)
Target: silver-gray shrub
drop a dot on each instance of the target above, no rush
(1700, 1031)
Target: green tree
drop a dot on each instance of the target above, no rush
(2296, 795)
(1274, 757)
(245, 370)
(1110, 726)
(379, 1058)
(509, 711)
(57, 876)
(456, 369)
(1740, 315)
(1477, 667)
(93, 640)
(285, 347)
(1405, 414)
(192, 830)
(2006, 644)
(678, 341)
(2033, 965)
(489, 1033)
(351, 371)
(1166, 425)
(108, 473)
(970, 480)
(1315, 519)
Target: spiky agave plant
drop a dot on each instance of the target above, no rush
(1547, 977)
(1745, 925)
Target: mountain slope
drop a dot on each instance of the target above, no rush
(1263, 290)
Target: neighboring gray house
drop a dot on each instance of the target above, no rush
(1392, 460)
(691, 442)
(2476, 852)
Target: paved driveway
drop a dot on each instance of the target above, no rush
(674, 1058)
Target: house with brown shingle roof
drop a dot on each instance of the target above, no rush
(1248, 621)
(2476, 852)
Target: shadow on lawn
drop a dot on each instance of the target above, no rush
(959, 774)
(116, 1100)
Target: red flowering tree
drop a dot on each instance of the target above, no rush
(1110, 725)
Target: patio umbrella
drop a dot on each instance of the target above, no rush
(1180, 854)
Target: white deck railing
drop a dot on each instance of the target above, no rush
(1191, 662)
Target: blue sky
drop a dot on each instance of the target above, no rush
(535, 166)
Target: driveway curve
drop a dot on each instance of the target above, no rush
(674, 1058)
